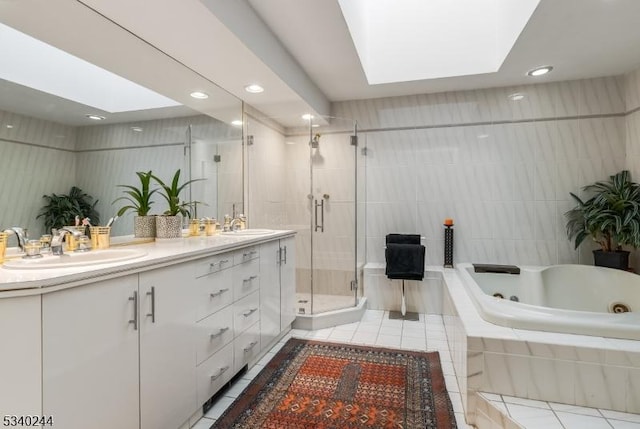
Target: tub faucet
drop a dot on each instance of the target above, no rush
(21, 236)
(56, 240)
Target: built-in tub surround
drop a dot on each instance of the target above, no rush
(572, 369)
(574, 299)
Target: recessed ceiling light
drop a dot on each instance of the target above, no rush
(136, 129)
(237, 122)
(95, 117)
(9, 126)
(199, 95)
(290, 142)
(315, 126)
(516, 96)
(254, 88)
(539, 71)
(307, 116)
(483, 136)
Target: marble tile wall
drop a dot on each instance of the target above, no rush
(36, 158)
(384, 294)
(502, 169)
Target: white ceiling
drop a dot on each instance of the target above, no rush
(580, 38)
(301, 50)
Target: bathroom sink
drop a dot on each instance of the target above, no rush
(243, 232)
(74, 259)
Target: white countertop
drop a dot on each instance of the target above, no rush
(20, 282)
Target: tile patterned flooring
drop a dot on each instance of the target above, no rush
(428, 333)
(550, 415)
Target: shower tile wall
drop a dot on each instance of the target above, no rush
(37, 158)
(502, 169)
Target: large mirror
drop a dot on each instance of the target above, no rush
(48, 143)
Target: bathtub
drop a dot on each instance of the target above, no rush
(574, 299)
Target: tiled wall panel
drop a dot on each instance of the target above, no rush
(502, 169)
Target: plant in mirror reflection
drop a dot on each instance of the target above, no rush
(61, 210)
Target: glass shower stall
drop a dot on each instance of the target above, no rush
(304, 177)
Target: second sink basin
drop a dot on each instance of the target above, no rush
(74, 259)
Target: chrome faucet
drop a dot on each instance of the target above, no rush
(21, 236)
(56, 240)
(236, 223)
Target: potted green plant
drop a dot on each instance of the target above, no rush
(611, 217)
(169, 225)
(139, 201)
(61, 210)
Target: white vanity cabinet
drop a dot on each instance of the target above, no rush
(147, 347)
(167, 347)
(20, 367)
(90, 355)
(277, 288)
(287, 282)
(120, 353)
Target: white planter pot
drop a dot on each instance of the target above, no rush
(169, 226)
(144, 226)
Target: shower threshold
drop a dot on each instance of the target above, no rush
(329, 318)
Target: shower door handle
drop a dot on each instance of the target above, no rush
(321, 206)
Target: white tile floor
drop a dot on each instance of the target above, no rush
(374, 328)
(532, 414)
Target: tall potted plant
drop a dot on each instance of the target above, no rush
(611, 217)
(139, 201)
(169, 225)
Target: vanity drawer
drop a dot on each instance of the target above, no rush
(213, 333)
(246, 279)
(214, 373)
(213, 292)
(246, 312)
(247, 254)
(246, 347)
(213, 264)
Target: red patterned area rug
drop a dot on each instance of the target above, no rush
(320, 385)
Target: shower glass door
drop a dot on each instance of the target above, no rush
(330, 280)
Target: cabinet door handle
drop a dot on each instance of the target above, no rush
(220, 372)
(285, 255)
(153, 304)
(220, 332)
(250, 312)
(250, 346)
(279, 256)
(249, 279)
(224, 261)
(220, 292)
(134, 321)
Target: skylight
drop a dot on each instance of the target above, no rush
(405, 40)
(35, 64)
